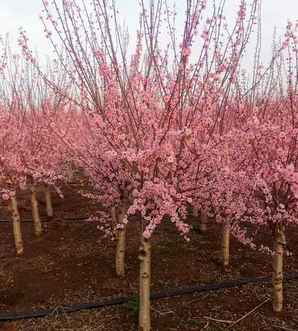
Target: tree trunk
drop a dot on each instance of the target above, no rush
(145, 277)
(225, 244)
(120, 252)
(49, 205)
(16, 221)
(277, 280)
(121, 245)
(203, 222)
(195, 213)
(35, 213)
(70, 173)
(202, 219)
(114, 215)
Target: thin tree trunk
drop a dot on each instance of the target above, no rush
(145, 278)
(35, 213)
(49, 205)
(16, 221)
(225, 244)
(280, 241)
(120, 252)
(121, 246)
(203, 221)
(195, 213)
(121, 241)
(114, 215)
(70, 174)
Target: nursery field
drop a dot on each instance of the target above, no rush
(73, 263)
(149, 173)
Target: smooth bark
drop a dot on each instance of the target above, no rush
(35, 213)
(49, 205)
(16, 221)
(145, 279)
(226, 245)
(203, 221)
(280, 242)
(121, 246)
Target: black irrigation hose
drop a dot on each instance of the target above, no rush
(46, 219)
(105, 302)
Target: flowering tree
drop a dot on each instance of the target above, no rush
(155, 115)
(11, 171)
(259, 160)
(30, 155)
(273, 148)
(168, 124)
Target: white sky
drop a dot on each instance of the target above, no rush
(16, 13)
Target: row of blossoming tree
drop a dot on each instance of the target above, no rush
(171, 126)
(30, 157)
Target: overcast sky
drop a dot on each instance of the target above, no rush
(16, 13)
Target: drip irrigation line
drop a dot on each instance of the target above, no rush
(81, 218)
(112, 301)
(49, 219)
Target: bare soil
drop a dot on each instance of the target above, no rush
(72, 263)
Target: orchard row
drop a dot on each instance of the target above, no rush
(172, 125)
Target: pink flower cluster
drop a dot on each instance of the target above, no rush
(175, 127)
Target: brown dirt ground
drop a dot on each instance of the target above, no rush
(72, 263)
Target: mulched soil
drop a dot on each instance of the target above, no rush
(72, 263)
